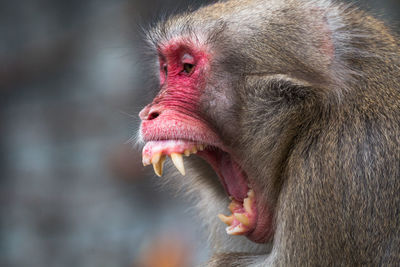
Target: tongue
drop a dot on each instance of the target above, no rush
(233, 177)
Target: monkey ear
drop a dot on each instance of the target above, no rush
(279, 89)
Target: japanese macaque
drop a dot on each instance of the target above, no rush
(293, 109)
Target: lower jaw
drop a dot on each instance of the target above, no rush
(264, 231)
(236, 184)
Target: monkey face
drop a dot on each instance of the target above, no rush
(236, 103)
(181, 121)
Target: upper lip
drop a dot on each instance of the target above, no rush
(172, 125)
(184, 137)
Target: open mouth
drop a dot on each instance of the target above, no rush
(243, 220)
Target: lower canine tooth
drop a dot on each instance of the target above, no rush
(247, 202)
(225, 219)
(177, 159)
(242, 218)
(233, 205)
(247, 205)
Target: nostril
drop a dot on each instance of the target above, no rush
(153, 115)
(150, 113)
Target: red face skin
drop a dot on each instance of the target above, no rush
(176, 114)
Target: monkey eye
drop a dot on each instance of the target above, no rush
(188, 68)
(165, 69)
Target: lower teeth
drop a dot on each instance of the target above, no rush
(242, 219)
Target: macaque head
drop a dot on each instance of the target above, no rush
(234, 96)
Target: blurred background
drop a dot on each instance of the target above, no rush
(73, 191)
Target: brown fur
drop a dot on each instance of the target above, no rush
(312, 99)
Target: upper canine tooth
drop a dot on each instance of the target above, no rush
(242, 218)
(156, 157)
(159, 165)
(162, 160)
(177, 159)
(187, 152)
(157, 169)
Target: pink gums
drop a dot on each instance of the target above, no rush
(232, 177)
